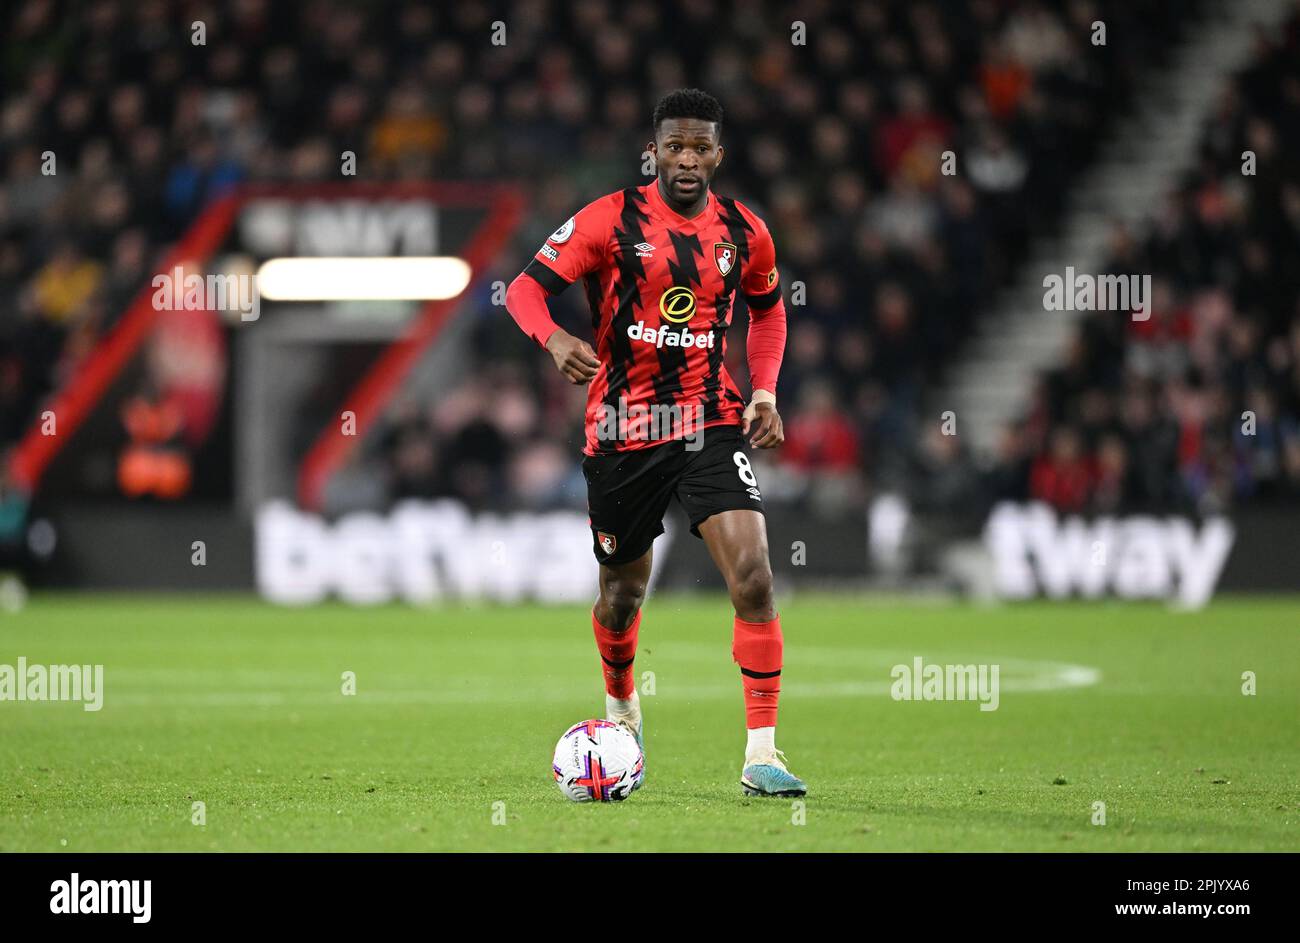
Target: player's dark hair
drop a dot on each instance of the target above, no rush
(688, 103)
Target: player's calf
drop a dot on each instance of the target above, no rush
(750, 588)
(759, 649)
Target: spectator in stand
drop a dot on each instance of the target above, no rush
(944, 479)
(1111, 492)
(1062, 477)
(1008, 478)
(821, 450)
(819, 437)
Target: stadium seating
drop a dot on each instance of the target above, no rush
(841, 153)
(1196, 409)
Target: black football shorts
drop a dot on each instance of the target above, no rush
(628, 492)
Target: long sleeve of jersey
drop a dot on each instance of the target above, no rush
(526, 302)
(577, 247)
(761, 287)
(766, 346)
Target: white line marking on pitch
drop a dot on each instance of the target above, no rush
(1018, 676)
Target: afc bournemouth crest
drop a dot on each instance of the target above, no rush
(608, 542)
(724, 254)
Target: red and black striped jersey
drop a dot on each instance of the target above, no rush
(661, 289)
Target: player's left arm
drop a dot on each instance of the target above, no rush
(761, 286)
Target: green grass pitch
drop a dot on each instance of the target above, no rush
(237, 704)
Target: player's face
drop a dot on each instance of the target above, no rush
(687, 153)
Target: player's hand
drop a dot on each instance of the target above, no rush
(762, 423)
(574, 356)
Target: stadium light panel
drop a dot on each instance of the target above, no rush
(363, 279)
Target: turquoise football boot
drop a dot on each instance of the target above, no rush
(767, 776)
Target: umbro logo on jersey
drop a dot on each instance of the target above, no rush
(644, 250)
(754, 493)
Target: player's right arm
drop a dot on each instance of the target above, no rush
(526, 302)
(573, 250)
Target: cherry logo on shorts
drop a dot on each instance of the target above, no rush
(608, 542)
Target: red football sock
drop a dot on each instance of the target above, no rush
(617, 649)
(757, 647)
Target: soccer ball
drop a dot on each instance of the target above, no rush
(598, 759)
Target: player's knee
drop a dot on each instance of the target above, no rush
(751, 590)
